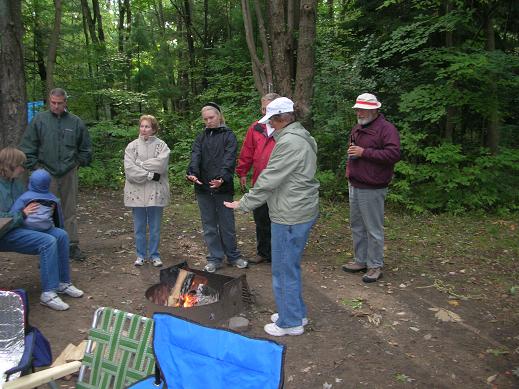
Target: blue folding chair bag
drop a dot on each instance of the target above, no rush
(41, 352)
(192, 356)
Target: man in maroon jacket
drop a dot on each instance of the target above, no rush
(374, 149)
(255, 152)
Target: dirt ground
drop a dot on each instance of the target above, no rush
(395, 333)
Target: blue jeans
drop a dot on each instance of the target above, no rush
(288, 244)
(52, 246)
(142, 218)
(367, 225)
(219, 227)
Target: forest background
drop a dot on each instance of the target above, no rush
(446, 71)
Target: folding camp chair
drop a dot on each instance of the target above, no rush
(118, 353)
(22, 346)
(191, 356)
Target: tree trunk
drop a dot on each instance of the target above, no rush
(90, 21)
(450, 119)
(280, 48)
(267, 63)
(303, 90)
(492, 138)
(188, 21)
(99, 21)
(257, 66)
(53, 46)
(13, 112)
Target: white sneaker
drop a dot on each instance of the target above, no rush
(156, 262)
(210, 267)
(275, 316)
(139, 261)
(240, 263)
(52, 300)
(69, 289)
(274, 330)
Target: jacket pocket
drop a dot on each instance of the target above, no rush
(69, 137)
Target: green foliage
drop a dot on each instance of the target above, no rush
(332, 186)
(444, 179)
(109, 141)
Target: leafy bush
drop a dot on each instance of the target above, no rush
(447, 180)
(109, 141)
(332, 185)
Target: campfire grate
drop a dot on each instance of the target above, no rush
(233, 294)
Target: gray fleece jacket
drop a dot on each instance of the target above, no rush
(288, 184)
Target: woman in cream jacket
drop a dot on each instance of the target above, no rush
(146, 189)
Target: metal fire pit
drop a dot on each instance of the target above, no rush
(233, 294)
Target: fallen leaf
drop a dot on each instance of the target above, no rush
(491, 379)
(445, 315)
(454, 303)
(496, 352)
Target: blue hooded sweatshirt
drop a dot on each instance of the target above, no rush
(38, 192)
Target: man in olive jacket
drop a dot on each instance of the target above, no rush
(58, 141)
(289, 187)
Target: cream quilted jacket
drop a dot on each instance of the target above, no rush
(142, 158)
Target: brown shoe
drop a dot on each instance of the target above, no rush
(354, 267)
(257, 259)
(373, 274)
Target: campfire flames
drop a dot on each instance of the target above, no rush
(188, 290)
(189, 300)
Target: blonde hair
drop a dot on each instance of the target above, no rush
(153, 121)
(10, 159)
(270, 97)
(215, 110)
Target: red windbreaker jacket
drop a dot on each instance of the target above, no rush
(255, 152)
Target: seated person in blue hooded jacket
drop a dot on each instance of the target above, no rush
(49, 213)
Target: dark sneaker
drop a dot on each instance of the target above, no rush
(354, 267)
(76, 254)
(373, 274)
(257, 259)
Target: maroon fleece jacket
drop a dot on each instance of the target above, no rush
(381, 143)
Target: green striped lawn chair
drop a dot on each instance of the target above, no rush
(119, 350)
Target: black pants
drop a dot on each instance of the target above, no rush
(262, 220)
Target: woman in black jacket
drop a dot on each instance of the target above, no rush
(213, 159)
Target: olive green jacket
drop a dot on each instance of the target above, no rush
(288, 183)
(56, 143)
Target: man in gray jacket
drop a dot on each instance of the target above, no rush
(289, 187)
(58, 141)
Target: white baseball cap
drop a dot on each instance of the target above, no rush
(367, 101)
(277, 106)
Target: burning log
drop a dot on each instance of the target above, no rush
(184, 289)
(180, 288)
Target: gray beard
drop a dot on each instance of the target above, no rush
(363, 122)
